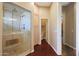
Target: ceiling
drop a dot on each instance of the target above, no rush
(43, 4)
(47, 4)
(65, 3)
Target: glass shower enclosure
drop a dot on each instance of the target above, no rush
(16, 30)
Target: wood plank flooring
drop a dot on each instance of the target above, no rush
(67, 51)
(43, 50)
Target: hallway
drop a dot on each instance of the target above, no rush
(43, 50)
(35, 29)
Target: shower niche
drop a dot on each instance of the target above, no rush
(16, 30)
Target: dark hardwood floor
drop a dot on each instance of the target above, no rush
(43, 50)
(67, 51)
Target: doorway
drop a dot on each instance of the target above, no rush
(44, 29)
(68, 30)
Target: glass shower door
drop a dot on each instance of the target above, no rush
(16, 30)
(26, 28)
(7, 29)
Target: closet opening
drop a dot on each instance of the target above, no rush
(68, 30)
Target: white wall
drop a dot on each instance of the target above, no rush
(55, 27)
(77, 28)
(36, 26)
(59, 21)
(44, 14)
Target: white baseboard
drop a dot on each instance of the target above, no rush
(54, 49)
(32, 50)
(26, 53)
(70, 46)
(58, 53)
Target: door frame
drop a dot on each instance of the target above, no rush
(77, 27)
(64, 37)
(47, 35)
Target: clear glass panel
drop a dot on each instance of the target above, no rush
(26, 28)
(7, 28)
(16, 20)
(16, 30)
